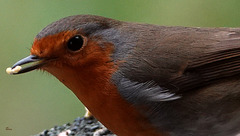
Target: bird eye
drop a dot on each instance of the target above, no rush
(75, 43)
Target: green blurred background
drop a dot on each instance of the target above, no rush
(35, 101)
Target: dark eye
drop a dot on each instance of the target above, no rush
(75, 43)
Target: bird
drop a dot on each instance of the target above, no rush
(142, 79)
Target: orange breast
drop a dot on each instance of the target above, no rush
(109, 107)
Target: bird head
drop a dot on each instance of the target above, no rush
(73, 47)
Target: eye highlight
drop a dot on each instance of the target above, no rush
(75, 43)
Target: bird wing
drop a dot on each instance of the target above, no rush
(184, 59)
(210, 68)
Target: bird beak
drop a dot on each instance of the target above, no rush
(17, 69)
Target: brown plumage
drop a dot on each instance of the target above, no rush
(141, 79)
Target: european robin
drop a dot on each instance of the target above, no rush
(145, 80)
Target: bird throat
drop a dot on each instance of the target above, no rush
(94, 89)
